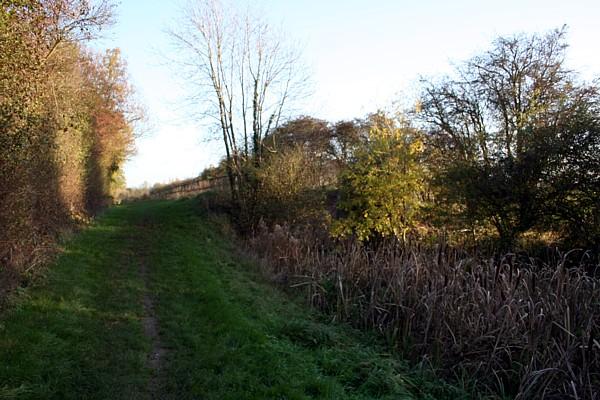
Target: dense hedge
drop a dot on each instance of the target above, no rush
(65, 125)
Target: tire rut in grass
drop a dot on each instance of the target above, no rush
(151, 329)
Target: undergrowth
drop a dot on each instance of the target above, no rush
(519, 327)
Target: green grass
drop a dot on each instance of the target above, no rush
(227, 333)
(77, 333)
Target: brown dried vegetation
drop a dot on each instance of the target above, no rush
(521, 327)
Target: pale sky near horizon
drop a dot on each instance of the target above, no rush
(362, 55)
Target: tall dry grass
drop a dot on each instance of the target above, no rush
(519, 326)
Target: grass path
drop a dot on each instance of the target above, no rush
(151, 303)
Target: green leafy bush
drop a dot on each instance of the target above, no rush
(381, 189)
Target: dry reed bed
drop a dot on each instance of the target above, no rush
(521, 328)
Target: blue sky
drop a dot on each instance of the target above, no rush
(362, 55)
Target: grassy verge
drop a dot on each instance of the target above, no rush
(76, 334)
(226, 333)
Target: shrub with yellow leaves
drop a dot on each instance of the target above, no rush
(381, 190)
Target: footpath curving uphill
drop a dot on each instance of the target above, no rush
(150, 303)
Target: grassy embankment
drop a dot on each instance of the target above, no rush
(158, 279)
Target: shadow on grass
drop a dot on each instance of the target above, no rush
(76, 333)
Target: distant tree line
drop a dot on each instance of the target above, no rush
(66, 122)
(507, 145)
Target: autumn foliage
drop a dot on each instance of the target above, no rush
(65, 124)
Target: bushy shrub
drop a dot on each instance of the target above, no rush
(516, 137)
(290, 187)
(382, 187)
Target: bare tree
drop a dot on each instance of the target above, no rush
(246, 76)
(517, 134)
(53, 22)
